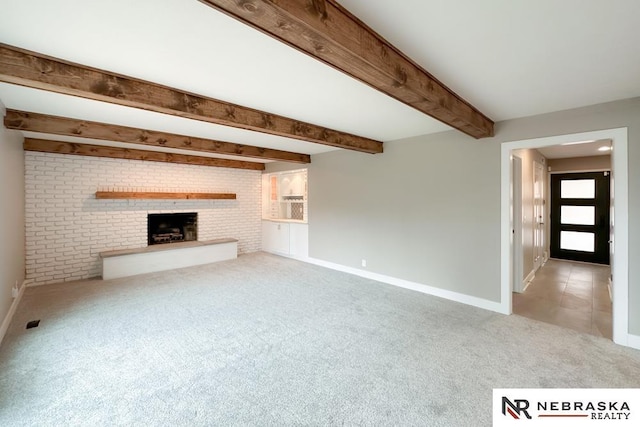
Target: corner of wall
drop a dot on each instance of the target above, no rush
(12, 253)
(6, 322)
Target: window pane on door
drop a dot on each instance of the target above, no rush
(578, 189)
(578, 215)
(577, 241)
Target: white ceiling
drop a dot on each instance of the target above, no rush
(509, 59)
(577, 149)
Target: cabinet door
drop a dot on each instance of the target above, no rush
(275, 237)
(297, 185)
(299, 240)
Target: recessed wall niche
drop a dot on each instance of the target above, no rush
(284, 195)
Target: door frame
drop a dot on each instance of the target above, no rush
(620, 259)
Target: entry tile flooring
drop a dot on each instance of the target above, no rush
(569, 294)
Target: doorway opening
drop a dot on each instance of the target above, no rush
(573, 295)
(619, 218)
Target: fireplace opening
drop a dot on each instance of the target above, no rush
(172, 228)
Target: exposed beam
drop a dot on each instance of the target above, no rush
(326, 31)
(26, 68)
(43, 123)
(58, 147)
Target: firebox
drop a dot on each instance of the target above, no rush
(171, 228)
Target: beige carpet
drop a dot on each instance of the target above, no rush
(264, 340)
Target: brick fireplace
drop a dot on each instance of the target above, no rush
(67, 227)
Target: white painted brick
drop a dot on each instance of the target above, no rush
(67, 227)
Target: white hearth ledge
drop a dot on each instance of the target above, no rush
(129, 262)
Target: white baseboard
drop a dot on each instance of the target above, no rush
(12, 310)
(528, 279)
(425, 289)
(296, 257)
(633, 341)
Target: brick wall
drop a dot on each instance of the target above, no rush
(67, 227)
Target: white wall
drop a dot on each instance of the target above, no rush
(580, 164)
(529, 157)
(12, 262)
(67, 227)
(428, 209)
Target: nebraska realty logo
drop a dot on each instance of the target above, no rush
(566, 407)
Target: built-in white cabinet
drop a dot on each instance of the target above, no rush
(275, 237)
(284, 212)
(299, 240)
(284, 195)
(285, 238)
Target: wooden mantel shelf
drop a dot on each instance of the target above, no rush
(158, 195)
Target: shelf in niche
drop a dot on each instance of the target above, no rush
(162, 195)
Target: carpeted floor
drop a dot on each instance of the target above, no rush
(264, 340)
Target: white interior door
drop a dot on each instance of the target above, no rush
(516, 223)
(538, 215)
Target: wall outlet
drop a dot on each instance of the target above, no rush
(364, 262)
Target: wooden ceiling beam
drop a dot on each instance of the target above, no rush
(58, 147)
(329, 33)
(26, 68)
(43, 123)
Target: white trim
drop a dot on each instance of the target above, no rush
(12, 310)
(527, 280)
(296, 257)
(621, 220)
(620, 270)
(633, 341)
(425, 289)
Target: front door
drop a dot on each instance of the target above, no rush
(580, 216)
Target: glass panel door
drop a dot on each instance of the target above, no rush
(580, 216)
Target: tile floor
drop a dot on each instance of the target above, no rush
(569, 294)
